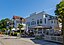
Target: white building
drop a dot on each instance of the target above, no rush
(41, 22)
(19, 20)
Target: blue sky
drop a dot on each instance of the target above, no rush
(24, 8)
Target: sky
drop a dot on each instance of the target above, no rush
(23, 8)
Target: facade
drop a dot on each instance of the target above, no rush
(41, 22)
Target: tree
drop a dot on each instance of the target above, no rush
(3, 23)
(10, 25)
(60, 13)
(10, 29)
(20, 26)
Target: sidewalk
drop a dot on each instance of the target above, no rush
(25, 41)
(1, 43)
(11, 40)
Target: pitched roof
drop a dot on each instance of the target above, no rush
(17, 17)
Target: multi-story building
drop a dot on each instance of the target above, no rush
(19, 20)
(41, 22)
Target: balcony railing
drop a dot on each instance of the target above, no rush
(54, 38)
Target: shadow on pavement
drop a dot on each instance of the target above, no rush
(44, 42)
(10, 38)
(27, 37)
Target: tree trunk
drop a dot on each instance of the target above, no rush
(63, 29)
(20, 32)
(10, 32)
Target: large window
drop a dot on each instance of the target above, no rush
(40, 21)
(45, 20)
(28, 23)
(33, 23)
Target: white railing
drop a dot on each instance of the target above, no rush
(54, 38)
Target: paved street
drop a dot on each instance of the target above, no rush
(10, 40)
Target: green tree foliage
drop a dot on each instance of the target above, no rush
(3, 23)
(20, 26)
(60, 13)
(60, 10)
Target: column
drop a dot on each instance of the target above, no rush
(42, 31)
(37, 30)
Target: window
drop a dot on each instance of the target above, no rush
(28, 23)
(51, 17)
(17, 21)
(33, 23)
(45, 20)
(39, 31)
(51, 21)
(32, 19)
(54, 21)
(40, 21)
(37, 21)
(57, 22)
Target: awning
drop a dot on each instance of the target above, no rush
(43, 27)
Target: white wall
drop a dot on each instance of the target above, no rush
(35, 17)
(16, 23)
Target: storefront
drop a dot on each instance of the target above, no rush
(40, 30)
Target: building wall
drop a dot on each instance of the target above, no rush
(43, 16)
(54, 24)
(33, 17)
